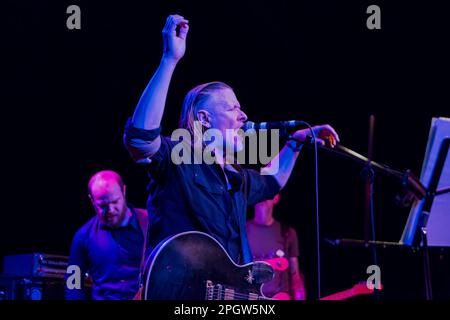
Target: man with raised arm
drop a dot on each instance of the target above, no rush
(211, 198)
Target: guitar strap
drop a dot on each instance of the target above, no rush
(142, 217)
(246, 251)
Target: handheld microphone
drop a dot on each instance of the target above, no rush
(272, 125)
(309, 140)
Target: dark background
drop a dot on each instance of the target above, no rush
(66, 95)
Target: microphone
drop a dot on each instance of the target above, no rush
(272, 125)
(249, 125)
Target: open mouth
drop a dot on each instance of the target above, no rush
(241, 130)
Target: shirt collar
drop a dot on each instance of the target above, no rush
(235, 178)
(131, 222)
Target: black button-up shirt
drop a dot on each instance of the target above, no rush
(186, 197)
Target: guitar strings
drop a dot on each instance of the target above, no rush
(236, 295)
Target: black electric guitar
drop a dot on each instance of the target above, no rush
(194, 266)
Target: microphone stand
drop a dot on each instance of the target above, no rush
(310, 141)
(415, 189)
(369, 174)
(407, 179)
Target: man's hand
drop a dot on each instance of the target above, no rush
(323, 133)
(174, 37)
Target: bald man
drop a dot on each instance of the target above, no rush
(109, 246)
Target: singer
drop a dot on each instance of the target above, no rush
(211, 198)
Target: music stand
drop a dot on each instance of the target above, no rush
(410, 183)
(429, 220)
(419, 227)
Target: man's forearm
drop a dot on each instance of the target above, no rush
(150, 109)
(298, 288)
(286, 161)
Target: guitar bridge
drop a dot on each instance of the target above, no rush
(218, 292)
(221, 292)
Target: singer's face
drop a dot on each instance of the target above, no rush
(226, 114)
(109, 203)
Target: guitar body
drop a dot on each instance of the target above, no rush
(194, 266)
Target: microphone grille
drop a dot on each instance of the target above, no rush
(248, 125)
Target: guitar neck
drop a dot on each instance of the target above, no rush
(340, 295)
(356, 290)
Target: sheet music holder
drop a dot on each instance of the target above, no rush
(433, 211)
(429, 219)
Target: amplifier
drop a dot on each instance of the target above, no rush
(36, 265)
(7, 288)
(22, 288)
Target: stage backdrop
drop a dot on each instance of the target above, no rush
(67, 94)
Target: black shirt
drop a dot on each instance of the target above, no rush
(185, 197)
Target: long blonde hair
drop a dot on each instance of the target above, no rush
(194, 100)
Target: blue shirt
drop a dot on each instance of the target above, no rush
(112, 257)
